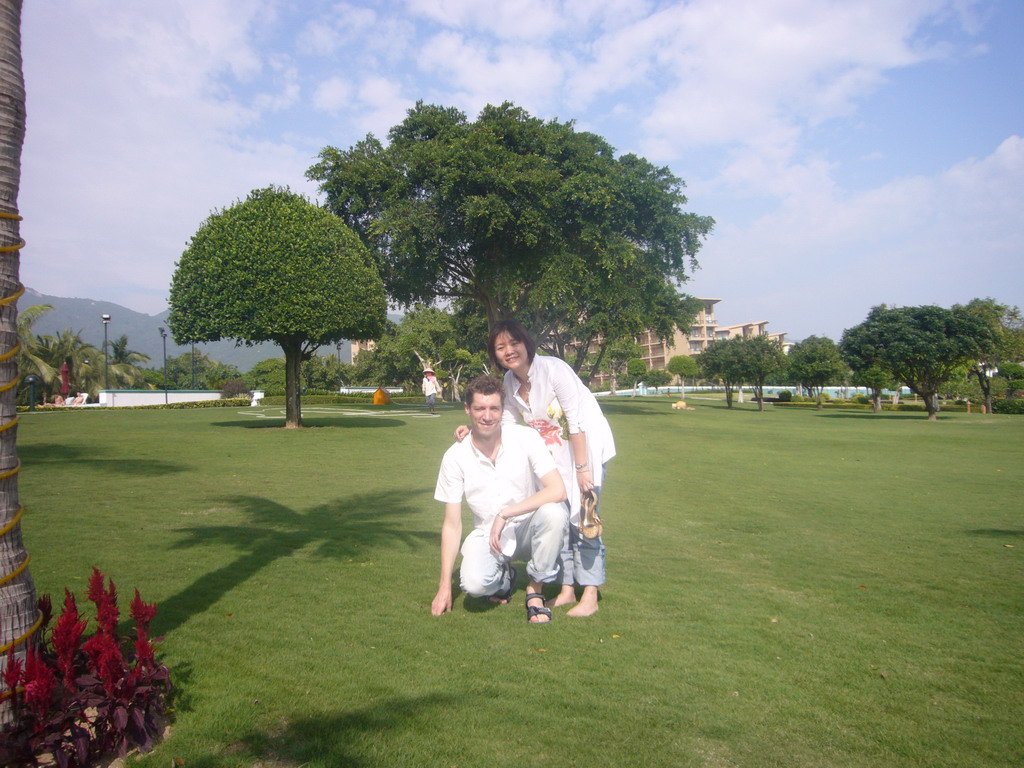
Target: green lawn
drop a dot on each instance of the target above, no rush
(792, 588)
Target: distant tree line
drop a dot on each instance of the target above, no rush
(967, 351)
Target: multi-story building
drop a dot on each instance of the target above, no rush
(704, 330)
(361, 346)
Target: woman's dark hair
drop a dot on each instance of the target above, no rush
(516, 332)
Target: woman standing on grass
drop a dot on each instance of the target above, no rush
(545, 393)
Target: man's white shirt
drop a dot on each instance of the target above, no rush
(489, 487)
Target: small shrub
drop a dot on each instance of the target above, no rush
(825, 397)
(785, 396)
(861, 399)
(73, 702)
(235, 388)
(1011, 406)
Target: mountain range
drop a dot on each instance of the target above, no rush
(83, 316)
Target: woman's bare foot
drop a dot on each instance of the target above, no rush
(567, 596)
(587, 605)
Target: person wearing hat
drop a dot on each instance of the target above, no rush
(431, 387)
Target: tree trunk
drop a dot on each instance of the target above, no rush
(728, 395)
(17, 594)
(759, 394)
(986, 386)
(292, 379)
(876, 400)
(495, 310)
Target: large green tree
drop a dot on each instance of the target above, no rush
(636, 369)
(921, 346)
(17, 591)
(722, 360)
(612, 359)
(429, 335)
(876, 378)
(815, 363)
(528, 218)
(683, 366)
(760, 357)
(208, 373)
(276, 267)
(1008, 326)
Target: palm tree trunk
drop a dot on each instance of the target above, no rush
(17, 592)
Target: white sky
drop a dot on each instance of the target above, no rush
(852, 152)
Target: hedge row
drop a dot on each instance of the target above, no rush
(231, 402)
(337, 399)
(998, 406)
(1014, 406)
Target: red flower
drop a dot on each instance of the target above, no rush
(67, 634)
(143, 649)
(39, 683)
(105, 600)
(12, 672)
(107, 662)
(96, 592)
(143, 613)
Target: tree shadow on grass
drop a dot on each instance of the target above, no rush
(1000, 532)
(920, 416)
(92, 459)
(277, 422)
(342, 740)
(632, 409)
(335, 530)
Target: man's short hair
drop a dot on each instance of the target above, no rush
(517, 332)
(484, 385)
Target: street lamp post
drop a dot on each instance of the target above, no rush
(163, 335)
(106, 360)
(341, 382)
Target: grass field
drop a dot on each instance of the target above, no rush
(792, 588)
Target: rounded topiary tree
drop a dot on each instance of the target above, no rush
(276, 267)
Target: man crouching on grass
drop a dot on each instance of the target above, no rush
(517, 498)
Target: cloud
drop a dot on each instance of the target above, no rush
(520, 21)
(480, 74)
(356, 36)
(940, 239)
(333, 95)
(384, 105)
(135, 133)
(143, 117)
(720, 73)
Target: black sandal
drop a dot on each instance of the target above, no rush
(502, 598)
(536, 610)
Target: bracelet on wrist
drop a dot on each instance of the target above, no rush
(584, 465)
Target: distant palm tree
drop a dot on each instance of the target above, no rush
(18, 610)
(29, 360)
(124, 363)
(84, 360)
